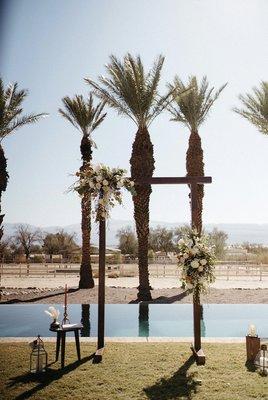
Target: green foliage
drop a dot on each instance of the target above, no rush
(161, 239)
(180, 232)
(255, 107)
(60, 243)
(192, 102)
(131, 91)
(11, 110)
(151, 254)
(128, 243)
(217, 239)
(82, 114)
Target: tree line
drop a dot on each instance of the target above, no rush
(26, 241)
(162, 239)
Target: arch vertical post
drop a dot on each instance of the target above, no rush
(196, 348)
(101, 291)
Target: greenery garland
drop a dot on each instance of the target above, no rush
(197, 259)
(104, 185)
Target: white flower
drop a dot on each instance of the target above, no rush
(180, 242)
(195, 264)
(186, 255)
(119, 184)
(194, 250)
(98, 178)
(105, 182)
(98, 185)
(203, 261)
(91, 184)
(200, 268)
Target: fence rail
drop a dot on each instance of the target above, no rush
(223, 271)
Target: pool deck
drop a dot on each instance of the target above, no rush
(130, 339)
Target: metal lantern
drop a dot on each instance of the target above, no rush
(261, 360)
(38, 358)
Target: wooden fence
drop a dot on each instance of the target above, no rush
(226, 271)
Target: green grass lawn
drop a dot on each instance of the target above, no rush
(155, 371)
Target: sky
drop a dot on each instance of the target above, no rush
(50, 46)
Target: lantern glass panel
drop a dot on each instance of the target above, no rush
(38, 359)
(261, 360)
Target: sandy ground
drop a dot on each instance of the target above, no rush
(156, 283)
(123, 290)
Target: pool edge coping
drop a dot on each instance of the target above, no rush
(130, 339)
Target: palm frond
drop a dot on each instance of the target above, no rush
(130, 91)
(256, 107)
(82, 114)
(11, 100)
(191, 107)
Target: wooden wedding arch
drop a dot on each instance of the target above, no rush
(192, 182)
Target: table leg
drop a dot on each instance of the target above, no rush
(63, 337)
(76, 333)
(58, 345)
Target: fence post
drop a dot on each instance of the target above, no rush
(228, 270)
(260, 273)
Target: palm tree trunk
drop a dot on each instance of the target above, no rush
(86, 278)
(3, 183)
(142, 167)
(195, 167)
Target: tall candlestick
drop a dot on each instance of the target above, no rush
(65, 314)
(65, 296)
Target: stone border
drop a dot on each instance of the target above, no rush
(130, 339)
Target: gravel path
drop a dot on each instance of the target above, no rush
(127, 295)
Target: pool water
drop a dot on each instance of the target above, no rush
(125, 320)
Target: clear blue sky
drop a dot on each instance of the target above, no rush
(50, 46)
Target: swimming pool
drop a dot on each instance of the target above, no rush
(132, 320)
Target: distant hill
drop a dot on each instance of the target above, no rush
(237, 233)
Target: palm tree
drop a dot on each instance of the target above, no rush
(134, 93)
(191, 109)
(256, 107)
(11, 119)
(82, 114)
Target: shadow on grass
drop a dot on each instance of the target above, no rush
(178, 385)
(250, 366)
(44, 379)
(165, 299)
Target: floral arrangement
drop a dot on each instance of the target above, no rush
(53, 313)
(197, 259)
(104, 184)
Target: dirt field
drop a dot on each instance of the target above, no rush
(128, 295)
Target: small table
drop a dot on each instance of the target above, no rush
(61, 339)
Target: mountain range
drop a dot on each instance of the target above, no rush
(237, 233)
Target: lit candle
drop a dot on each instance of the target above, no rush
(252, 330)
